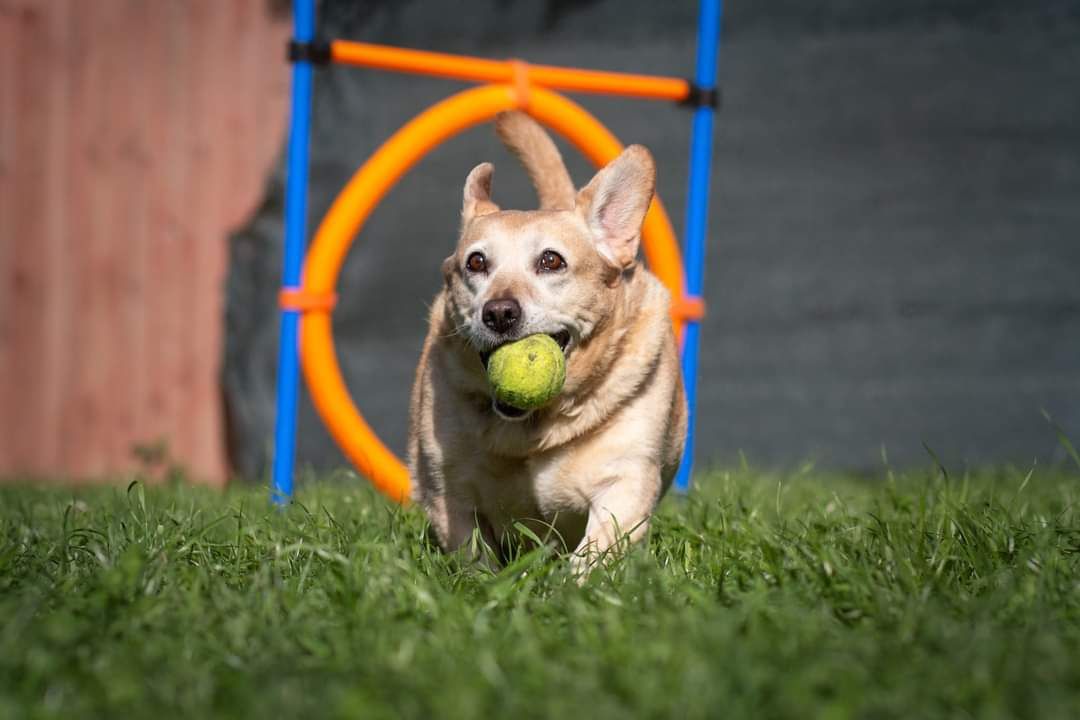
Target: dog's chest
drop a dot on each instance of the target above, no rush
(528, 489)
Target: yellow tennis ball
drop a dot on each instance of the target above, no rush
(526, 374)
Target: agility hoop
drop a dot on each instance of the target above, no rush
(362, 194)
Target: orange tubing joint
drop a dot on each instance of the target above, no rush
(521, 85)
(688, 307)
(302, 300)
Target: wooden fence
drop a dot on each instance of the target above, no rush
(134, 134)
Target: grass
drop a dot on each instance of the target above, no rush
(917, 595)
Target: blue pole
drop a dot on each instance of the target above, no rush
(296, 177)
(697, 209)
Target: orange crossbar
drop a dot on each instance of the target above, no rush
(463, 67)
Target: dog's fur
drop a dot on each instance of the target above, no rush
(592, 464)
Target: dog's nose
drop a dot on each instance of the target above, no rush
(502, 315)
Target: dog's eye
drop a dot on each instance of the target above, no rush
(476, 263)
(550, 261)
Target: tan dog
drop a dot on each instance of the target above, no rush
(594, 463)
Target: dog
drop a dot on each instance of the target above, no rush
(590, 467)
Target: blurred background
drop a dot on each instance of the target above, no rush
(894, 239)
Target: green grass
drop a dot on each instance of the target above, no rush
(914, 596)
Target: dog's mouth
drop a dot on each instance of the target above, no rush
(562, 338)
(509, 412)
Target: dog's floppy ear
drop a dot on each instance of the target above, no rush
(477, 196)
(524, 137)
(615, 201)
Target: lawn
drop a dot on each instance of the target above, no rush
(914, 595)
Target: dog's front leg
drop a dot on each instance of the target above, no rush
(460, 528)
(619, 513)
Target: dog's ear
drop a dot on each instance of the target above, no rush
(477, 196)
(614, 204)
(449, 266)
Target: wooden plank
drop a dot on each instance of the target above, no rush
(9, 28)
(91, 183)
(119, 247)
(199, 193)
(165, 57)
(210, 94)
(258, 119)
(32, 295)
(56, 360)
(272, 99)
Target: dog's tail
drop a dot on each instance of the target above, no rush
(524, 137)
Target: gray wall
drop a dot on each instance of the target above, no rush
(894, 248)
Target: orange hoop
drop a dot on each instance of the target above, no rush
(362, 194)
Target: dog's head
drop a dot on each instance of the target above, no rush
(555, 270)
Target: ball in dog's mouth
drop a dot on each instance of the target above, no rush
(562, 338)
(509, 412)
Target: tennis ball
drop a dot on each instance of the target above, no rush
(527, 373)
